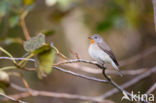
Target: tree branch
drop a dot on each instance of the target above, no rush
(129, 83)
(71, 63)
(151, 89)
(11, 98)
(8, 58)
(135, 58)
(24, 27)
(80, 75)
(84, 68)
(52, 94)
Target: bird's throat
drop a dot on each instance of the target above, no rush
(92, 41)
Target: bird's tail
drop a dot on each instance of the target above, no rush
(116, 68)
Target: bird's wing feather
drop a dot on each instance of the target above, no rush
(107, 49)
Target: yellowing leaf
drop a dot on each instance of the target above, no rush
(2, 91)
(43, 48)
(36, 46)
(46, 59)
(28, 2)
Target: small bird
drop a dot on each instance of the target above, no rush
(101, 52)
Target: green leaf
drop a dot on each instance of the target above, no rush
(14, 20)
(48, 32)
(43, 48)
(44, 53)
(46, 59)
(34, 43)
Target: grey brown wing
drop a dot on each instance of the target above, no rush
(107, 49)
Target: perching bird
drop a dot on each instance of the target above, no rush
(101, 52)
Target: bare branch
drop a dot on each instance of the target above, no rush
(80, 75)
(53, 94)
(131, 60)
(59, 53)
(98, 71)
(83, 68)
(151, 89)
(130, 82)
(154, 7)
(8, 58)
(73, 63)
(24, 27)
(11, 98)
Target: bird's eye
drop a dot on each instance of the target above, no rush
(95, 37)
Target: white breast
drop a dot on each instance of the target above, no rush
(98, 54)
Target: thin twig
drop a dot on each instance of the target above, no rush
(129, 83)
(151, 89)
(75, 54)
(109, 80)
(122, 63)
(77, 60)
(59, 53)
(84, 68)
(154, 9)
(8, 58)
(25, 84)
(11, 98)
(22, 78)
(98, 71)
(80, 75)
(24, 27)
(53, 94)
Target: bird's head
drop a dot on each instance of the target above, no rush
(95, 38)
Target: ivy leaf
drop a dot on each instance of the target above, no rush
(34, 43)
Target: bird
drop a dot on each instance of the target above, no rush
(101, 52)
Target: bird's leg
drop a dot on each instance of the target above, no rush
(104, 72)
(101, 66)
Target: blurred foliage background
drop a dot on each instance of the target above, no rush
(126, 25)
